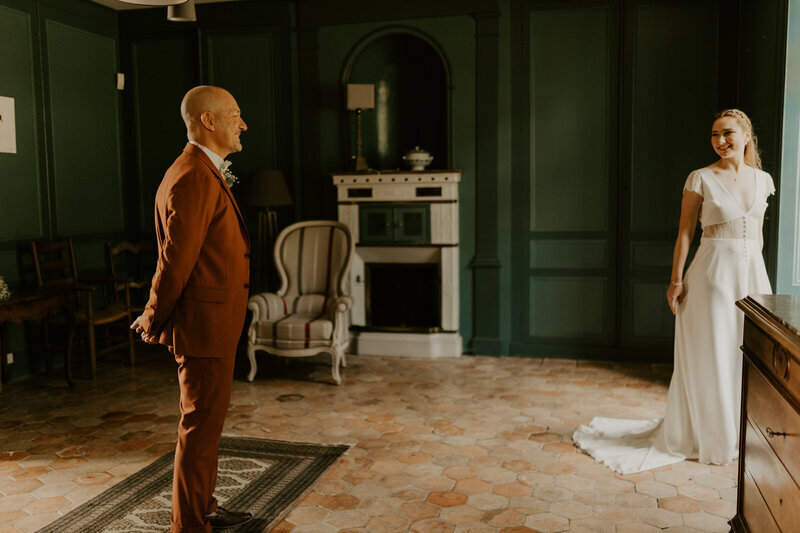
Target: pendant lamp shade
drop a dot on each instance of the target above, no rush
(154, 2)
(182, 13)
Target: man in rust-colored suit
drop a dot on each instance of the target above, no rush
(199, 297)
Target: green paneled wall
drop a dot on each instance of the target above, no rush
(254, 89)
(158, 83)
(569, 113)
(674, 98)
(571, 102)
(21, 201)
(570, 307)
(85, 130)
(58, 59)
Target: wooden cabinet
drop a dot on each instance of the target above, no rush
(395, 224)
(769, 447)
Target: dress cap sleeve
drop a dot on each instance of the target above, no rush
(694, 183)
(770, 184)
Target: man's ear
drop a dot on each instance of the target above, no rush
(207, 120)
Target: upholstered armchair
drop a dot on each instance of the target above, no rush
(308, 314)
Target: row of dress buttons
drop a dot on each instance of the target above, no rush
(744, 239)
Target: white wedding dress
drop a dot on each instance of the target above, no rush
(702, 415)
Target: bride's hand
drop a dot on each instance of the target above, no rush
(674, 296)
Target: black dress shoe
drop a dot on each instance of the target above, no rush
(222, 518)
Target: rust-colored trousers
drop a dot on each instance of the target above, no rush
(205, 385)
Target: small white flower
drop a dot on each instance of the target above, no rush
(229, 177)
(5, 292)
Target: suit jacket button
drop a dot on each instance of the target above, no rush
(247, 256)
(246, 285)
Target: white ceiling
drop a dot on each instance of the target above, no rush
(116, 4)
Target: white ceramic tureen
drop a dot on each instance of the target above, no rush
(417, 158)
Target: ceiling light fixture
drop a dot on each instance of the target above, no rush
(153, 2)
(182, 13)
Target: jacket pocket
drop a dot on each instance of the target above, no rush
(205, 294)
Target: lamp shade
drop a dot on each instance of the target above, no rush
(161, 3)
(360, 96)
(266, 188)
(182, 13)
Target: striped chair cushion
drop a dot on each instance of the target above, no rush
(296, 327)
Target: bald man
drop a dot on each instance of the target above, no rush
(198, 298)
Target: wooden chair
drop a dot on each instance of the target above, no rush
(136, 261)
(55, 265)
(308, 314)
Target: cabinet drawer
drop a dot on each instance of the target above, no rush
(755, 510)
(776, 486)
(758, 343)
(776, 358)
(767, 409)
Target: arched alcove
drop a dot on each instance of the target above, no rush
(412, 83)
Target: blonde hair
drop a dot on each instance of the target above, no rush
(751, 155)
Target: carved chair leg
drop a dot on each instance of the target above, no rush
(92, 352)
(48, 351)
(68, 348)
(251, 354)
(336, 361)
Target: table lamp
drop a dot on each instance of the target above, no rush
(360, 96)
(265, 189)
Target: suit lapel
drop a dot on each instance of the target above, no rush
(200, 154)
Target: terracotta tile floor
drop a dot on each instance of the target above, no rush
(477, 444)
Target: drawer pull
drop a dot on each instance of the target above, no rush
(771, 433)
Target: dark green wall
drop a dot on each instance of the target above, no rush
(544, 97)
(613, 101)
(59, 61)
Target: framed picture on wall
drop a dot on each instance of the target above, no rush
(8, 128)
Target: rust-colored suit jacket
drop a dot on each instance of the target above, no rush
(198, 298)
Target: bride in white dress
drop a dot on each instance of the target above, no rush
(703, 403)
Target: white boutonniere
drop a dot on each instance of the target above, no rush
(227, 175)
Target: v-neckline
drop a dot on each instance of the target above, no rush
(755, 191)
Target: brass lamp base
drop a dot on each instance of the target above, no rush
(359, 164)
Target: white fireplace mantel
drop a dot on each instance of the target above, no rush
(438, 192)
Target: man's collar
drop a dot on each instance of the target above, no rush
(217, 160)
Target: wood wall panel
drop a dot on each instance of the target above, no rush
(569, 117)
(84, 129)
(674, 87)
(671, 78)
(569, 254)
(163, 70)
(569, 307)
(21, 202)
(253, 86)
(571, 125)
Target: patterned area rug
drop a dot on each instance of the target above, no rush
(261, 476)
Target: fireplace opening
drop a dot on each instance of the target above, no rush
(403, 296)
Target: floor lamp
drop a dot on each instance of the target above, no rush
(264, 190)
(360, 96)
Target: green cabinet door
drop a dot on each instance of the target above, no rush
(375, 224)
(394, 224)
(412, 224)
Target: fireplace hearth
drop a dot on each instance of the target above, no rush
(403, 297)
